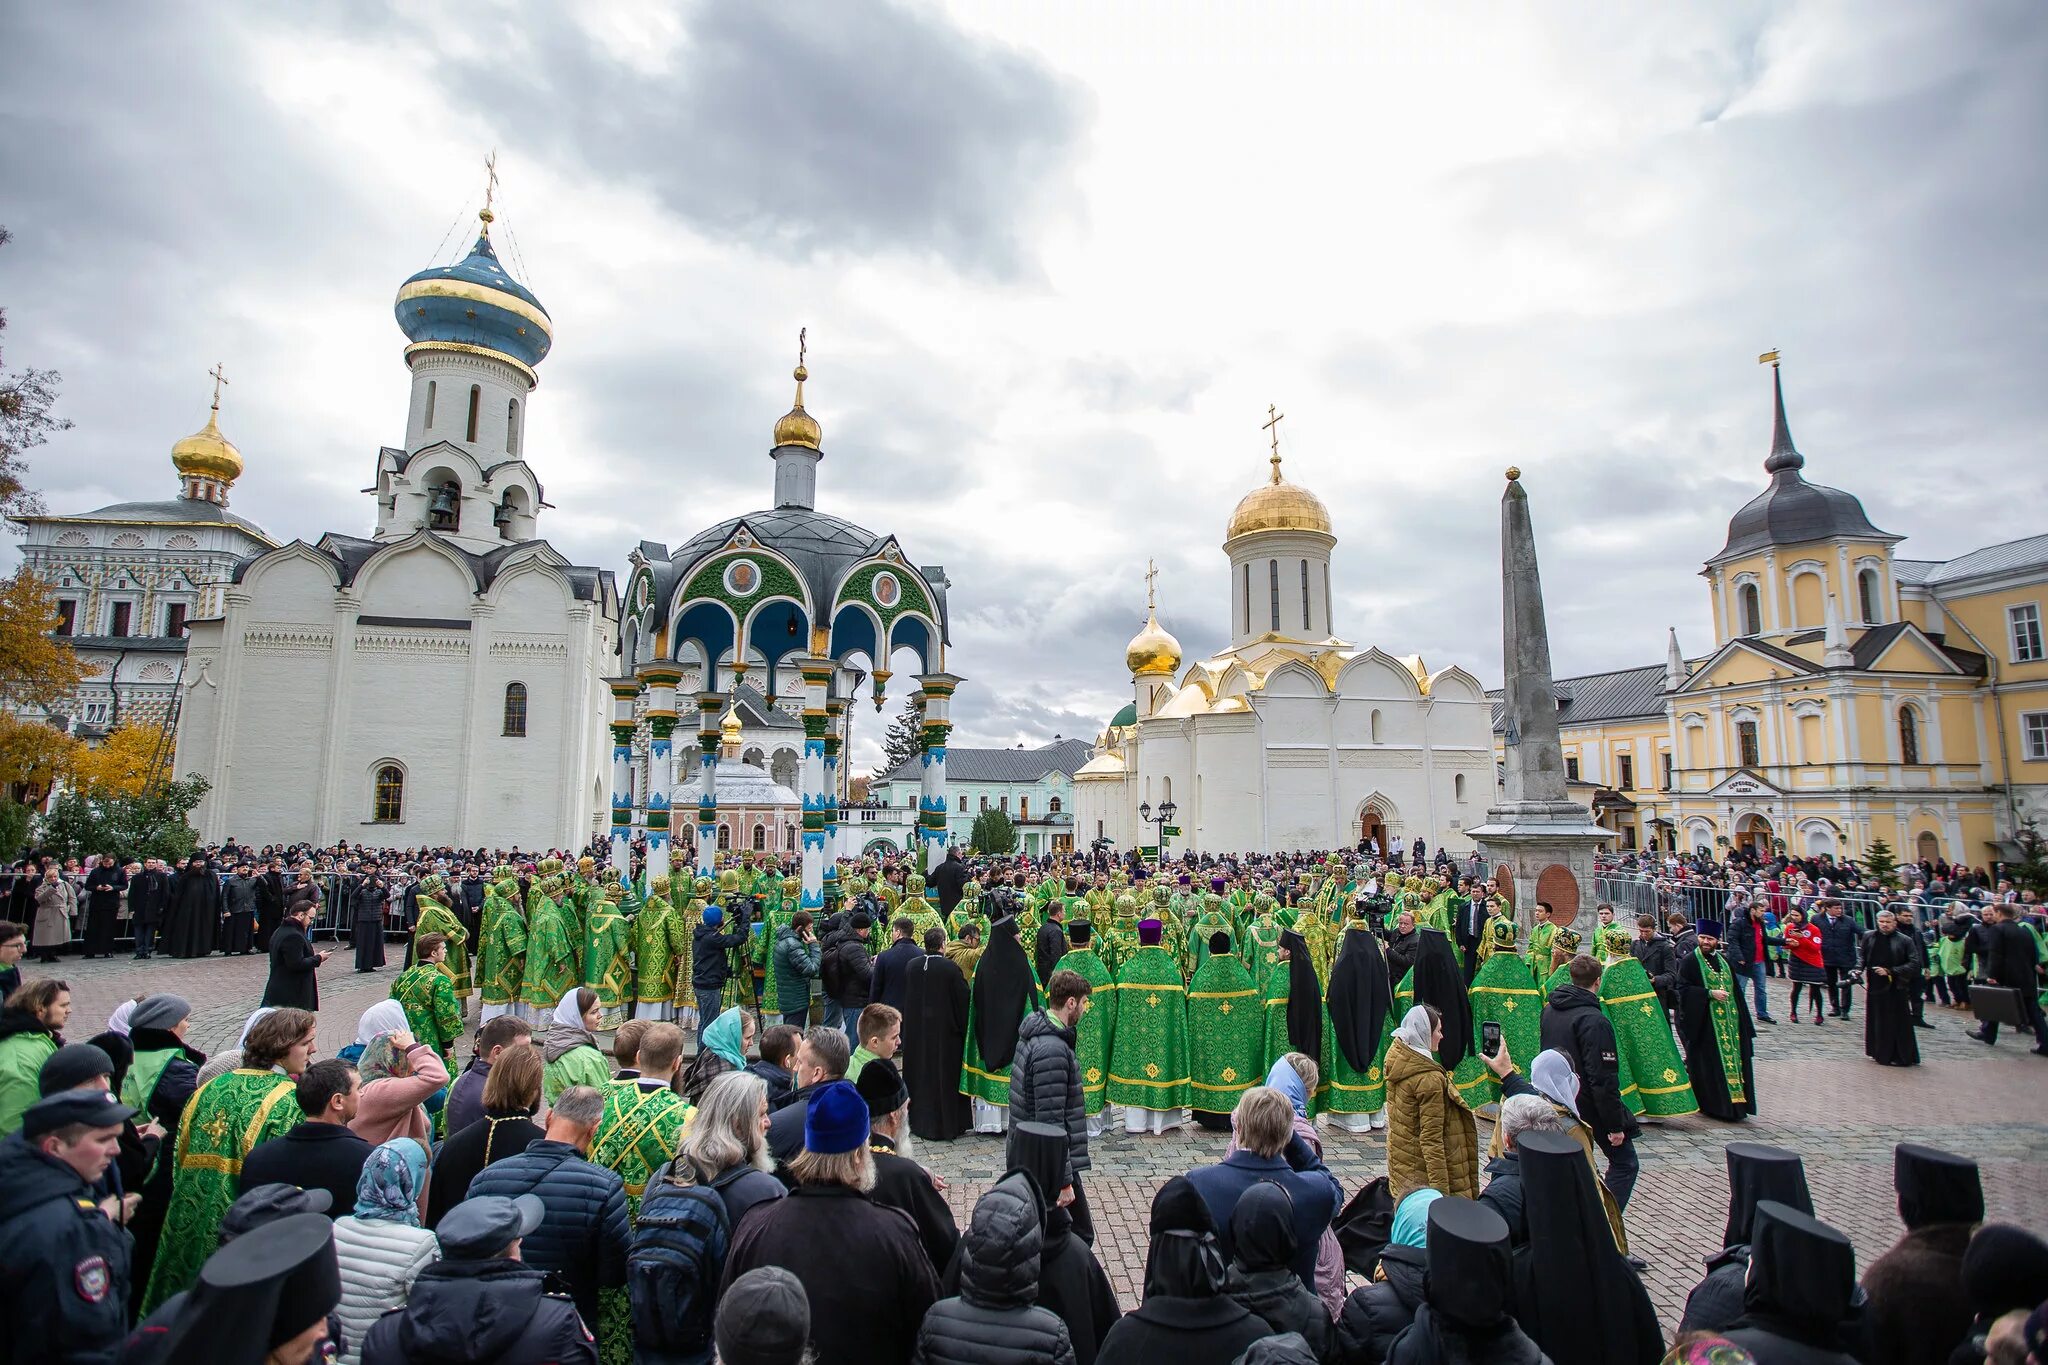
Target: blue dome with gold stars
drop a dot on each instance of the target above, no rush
(474, 305)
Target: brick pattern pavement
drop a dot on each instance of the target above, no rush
(1820, 1097)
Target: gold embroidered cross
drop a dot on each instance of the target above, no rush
(1225, 1007)
(1152, 1001)
(1152, 1070)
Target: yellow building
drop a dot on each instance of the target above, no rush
(1851, 695)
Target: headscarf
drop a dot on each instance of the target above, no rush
(378, 1060)
(1287, 1081)
(566, 1010)
(388, 1191)
(1552, 1074)
(568, 1032)
(117, 1022)
(1415, 1031)
(386, 1016)
(1262, 1233)
(250, 1023)
(1411, 1218)
(725, 1037)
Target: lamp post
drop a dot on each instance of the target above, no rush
(1162, 819)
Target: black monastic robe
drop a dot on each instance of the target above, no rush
(934, 1040)
(1891, 981)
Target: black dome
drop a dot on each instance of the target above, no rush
(1792, 511)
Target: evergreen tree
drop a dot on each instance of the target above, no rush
(992, 832)
(149, 824)
(2030, 872)
(904, 740)
(1881, 865)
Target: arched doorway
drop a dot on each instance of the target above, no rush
(1754, 833)
(1927, 848)
(1372, 827)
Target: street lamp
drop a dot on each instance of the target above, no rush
(1163, 819)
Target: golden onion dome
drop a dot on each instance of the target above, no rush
(797, 427)
(1152, 650)
(729, 723)
(1278, 506)
(206, 454)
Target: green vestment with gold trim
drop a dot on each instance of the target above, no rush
(1148, 1053)
(608, 963)
(551, 969)
(1226, 1034)
(1097, 1026)
(1654, 1079)
(436, 918)
(222, 1122)
(657, 947)
(636, 1137)
(430, 1009)
(502, 961)
(1505, 992)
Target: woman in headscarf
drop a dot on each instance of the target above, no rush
(117, 1022)
(1551, 1077)
(1295, 1076)
(230, 1059)
(399, 1074)
(1437, 980)
(571, 1051)
(1432, 1139)
(1361, 1001)
(1003, 992)
(381, 1247)
(1185, 1318)
(1261, 1275)
(726, 1042)
(1574, 1293)
(386, 1016)
(1378, 1312)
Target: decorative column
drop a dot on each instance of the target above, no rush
(835, 833)
(624, 692)
(661, 683)
(931, 804)
(708, 704)
(817, 675)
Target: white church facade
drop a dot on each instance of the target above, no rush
(1291, 738)
(439, 682)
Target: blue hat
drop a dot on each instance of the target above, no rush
(1709, 928)
(836, 1120)
(713, 915)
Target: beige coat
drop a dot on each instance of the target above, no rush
(56, 903)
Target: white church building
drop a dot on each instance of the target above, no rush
(440, 681)
(1291, 738)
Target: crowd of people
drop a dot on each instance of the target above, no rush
(552, 1196)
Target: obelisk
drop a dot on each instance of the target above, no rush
(1538, 835)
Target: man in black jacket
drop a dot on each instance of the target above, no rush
(149, 891)
(847, 973)
(269, 901)
(1659, 958)
(1045, 1082)
(322, 1153)
(1575, 1026)
(479, 1302)
(368, 898)
(1051, 940)
(64, 1265)
(294, 964)
(709, 966)
(1840, 940)
(104, 884)
(2007, 958)
(948, 879)
(821, 1059)
(890, 976)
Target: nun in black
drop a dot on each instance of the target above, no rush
(1577, 1296)
(1440, 981)
(1468, 1291)
(1071, 1282)
(1918, 1308)
(263, 1299)
(1798, 1307)
(1003, 992)
(1360, 999)
(1185, 1318)
(1756, 1172)
(1304, 998)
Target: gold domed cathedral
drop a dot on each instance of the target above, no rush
(1852, 694)
(1292, 737)
(444, 673)
(797, 609)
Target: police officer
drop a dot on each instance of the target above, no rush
(64, 1272)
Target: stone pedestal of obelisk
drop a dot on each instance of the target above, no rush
(1538, 835)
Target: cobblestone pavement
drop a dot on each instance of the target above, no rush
(1819, 1096)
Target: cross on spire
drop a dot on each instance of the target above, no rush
(490, 190)
(219, 378)
(1151, 573)
(802, 345)
(1273, 419)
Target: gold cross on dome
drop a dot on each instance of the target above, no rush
(219, 378)
(1151, 574)
(801, 346)
(490, 188)
(1273, 420)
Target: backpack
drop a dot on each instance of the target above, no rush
(673, 1266)
(832, 969)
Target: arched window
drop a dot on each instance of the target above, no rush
(1024, 808)
(1006, 803)
(1458, 786)
(1273, 581)
(476, 399)
(1373, 726)
(433, 392)
(512, 427)
(1867, 595)
(515, 710)
(387, 807)
(1054, 805)
(1750, 606)
(1304, 595)
(724, 838)
(1909, 736)
(1747, 752)
(963, 805)
(760, 838)
(984, 803)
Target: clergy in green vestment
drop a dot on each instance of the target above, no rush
(1120, 944)
(552, 968)
(1098, 1013)
(437, 916)
(1564, 946)
(608, 957)
(1226, 1033)
(923, 915)
(643, 1118)
(1505, 992)
(1359, 1022)
(658, 935)
(1540, 939)
(501, 960)
(1214, 918)
(428, 996)
(223, 1122)
(1262, 942)
(691, 913)
(1148, 1053)
(1642, 1032)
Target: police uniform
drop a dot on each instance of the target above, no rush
(64, 1265)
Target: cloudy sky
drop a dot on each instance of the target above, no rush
(1055, 260)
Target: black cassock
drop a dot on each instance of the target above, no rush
(1702, 1049)
(934, 1040)
(1888, 1035)
(193, 914)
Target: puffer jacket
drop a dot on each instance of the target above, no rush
(1378, 1312)
(1432, 1140)
(379, 1261)
(1045, 1083)
(585, 1231)
(796, 962)
(994, 1320)
(481, 1313)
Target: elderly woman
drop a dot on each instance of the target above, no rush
(571, 1052)
(1432, 1139)
(399, 1075)
(1551, 1077)
(727, 1040)
(381, 1247)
